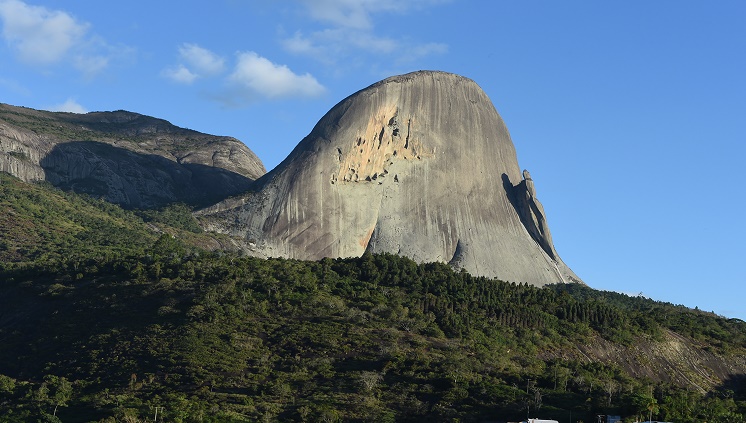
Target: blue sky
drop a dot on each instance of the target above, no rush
(630, 115)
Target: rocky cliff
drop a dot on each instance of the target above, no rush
(126, 158)
(420, 165)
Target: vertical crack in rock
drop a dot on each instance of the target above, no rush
(409, 128)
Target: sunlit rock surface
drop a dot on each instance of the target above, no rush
(419, 165)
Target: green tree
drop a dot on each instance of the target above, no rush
(61, 391)
(644, 404)
(7, 384)
(652, 407)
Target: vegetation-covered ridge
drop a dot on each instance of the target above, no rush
(130, 328)
(218, 337)
(40, 224)
(113, 126)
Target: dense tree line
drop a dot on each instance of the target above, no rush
(104, 319)
(220, 337)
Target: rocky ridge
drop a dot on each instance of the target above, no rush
(126, 158)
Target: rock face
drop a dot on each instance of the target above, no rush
(126, 158)
(420, 165)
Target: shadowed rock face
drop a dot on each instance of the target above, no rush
(420, 165)
(126, 158)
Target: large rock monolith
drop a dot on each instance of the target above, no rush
(419, 165)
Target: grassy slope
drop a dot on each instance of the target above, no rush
(39, 223)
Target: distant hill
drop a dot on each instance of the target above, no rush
(99, 325)
(127, 158)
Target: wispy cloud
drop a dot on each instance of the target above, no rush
(196, 62)
(70, 105)
(350, 30)
(257, 76)
(344, 13)
(91, 65)
(180, 74)
(357, 14)
(39, 35)
(43, 37)
(299, 44)
(202, 60)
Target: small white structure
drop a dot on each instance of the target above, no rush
(540, 421)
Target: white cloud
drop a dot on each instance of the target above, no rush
(70, 105)
(257, 76)
(39, 35)
(44, 37)
(202, 60)
(253, 77)
(180, 74)
(197, 62)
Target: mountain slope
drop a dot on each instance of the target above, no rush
(126, 158)
(42, 224)
(420, 165)
(377, 338)
(97, 325)
(38, 223)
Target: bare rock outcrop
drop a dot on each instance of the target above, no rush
(672, 358)
(420, 165)
(126, 158)
(21, 153)
(532, 214)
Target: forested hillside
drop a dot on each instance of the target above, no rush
(122, 316)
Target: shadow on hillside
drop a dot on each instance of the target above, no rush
(509, 189)
(135, 180)
(734, 386)
(530, 213)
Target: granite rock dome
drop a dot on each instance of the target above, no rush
(420, 165)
